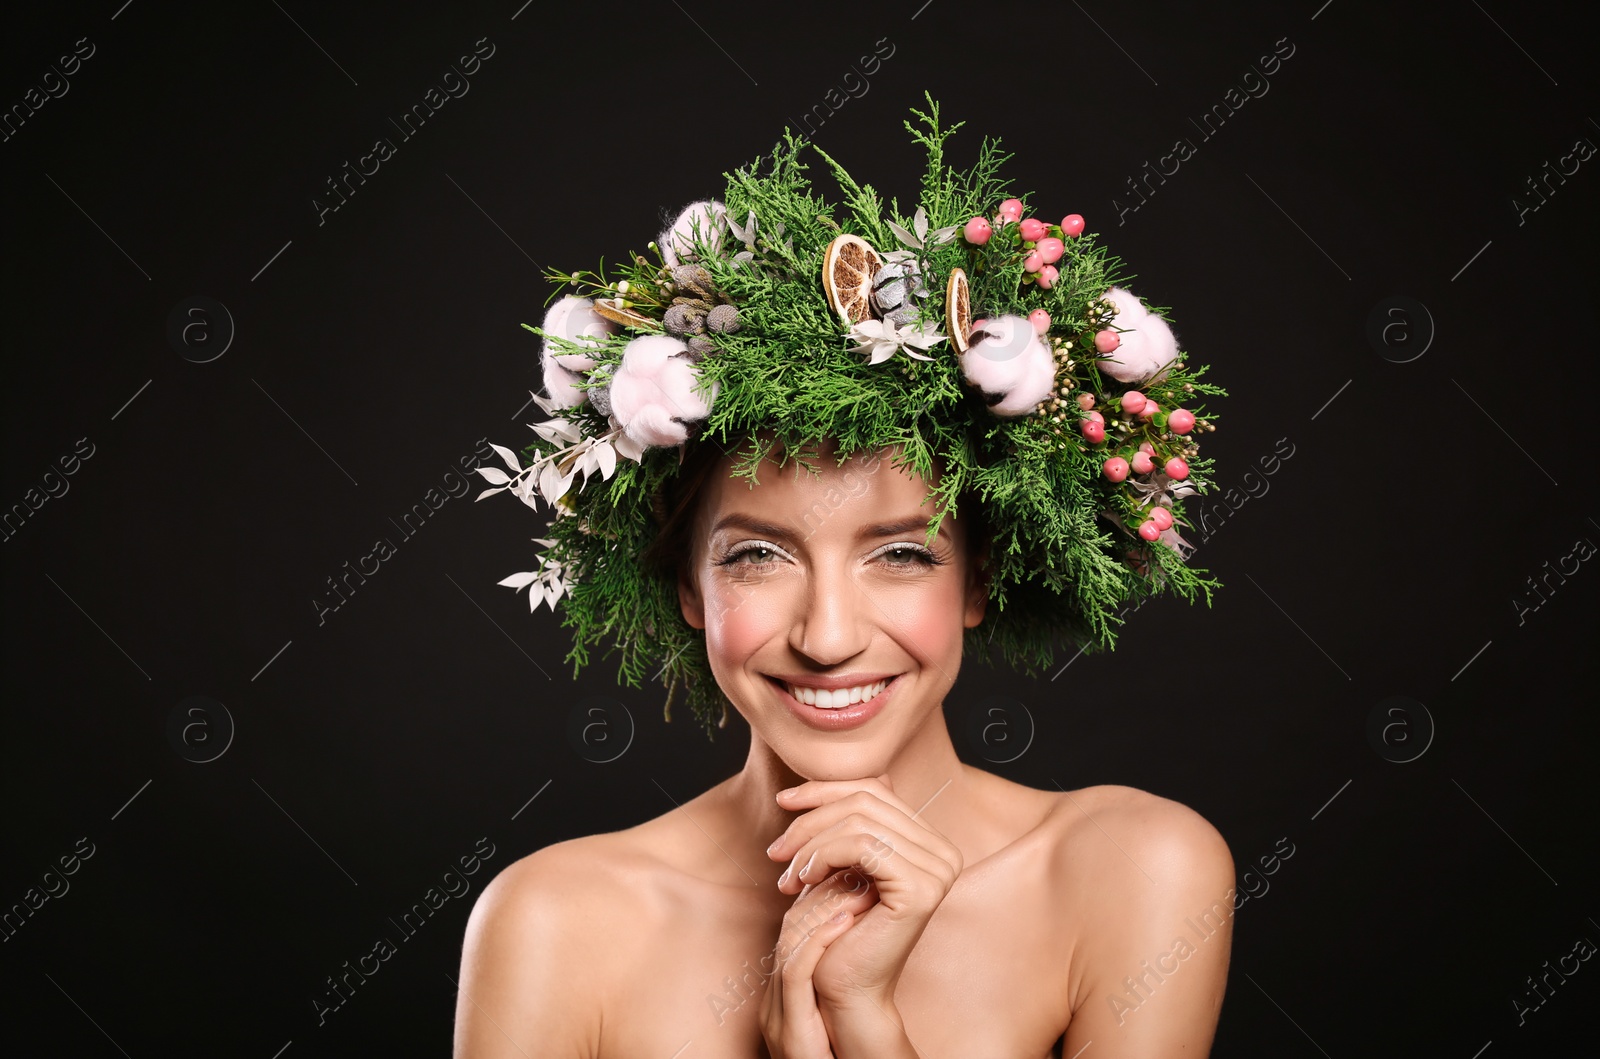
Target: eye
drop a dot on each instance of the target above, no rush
(763, 555)
(908, 556)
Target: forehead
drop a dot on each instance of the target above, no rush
(865, 488)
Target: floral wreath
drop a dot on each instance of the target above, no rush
(969, 332)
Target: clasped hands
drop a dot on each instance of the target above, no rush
(868, 876)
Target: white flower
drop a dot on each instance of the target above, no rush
(548, 583)
(882, 339)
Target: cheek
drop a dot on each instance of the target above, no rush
(926, 618)
(740, 619)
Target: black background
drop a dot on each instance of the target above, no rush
(373, 749)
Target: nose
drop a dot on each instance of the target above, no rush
(835, 619)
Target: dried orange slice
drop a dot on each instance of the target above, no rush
(847, 271)
(611, 310)
(958, 310)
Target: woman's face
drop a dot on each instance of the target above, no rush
(829, 624)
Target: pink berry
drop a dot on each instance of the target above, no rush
(1150, 408)
(1177, 468)
(1040, 321)
(1032, 229)
(1033, 262)
(1149, 530)
(1106, 341)
(1162, 518)
(1146, 447)
(1132, 402)
(1094, 428)
(1180, 421)
(1050, 249)
(1086, 401)
(1095, 417)
(978, 231)
(1142, 463)
(979, 322)
(1071, 225)
(1011, 210)
(1116, 468)
(1047, 276)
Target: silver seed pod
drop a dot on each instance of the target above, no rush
(897, 288)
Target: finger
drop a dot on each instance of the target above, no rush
(867, 816)
(796, 994)
(813, 793)
(850, 890)
(847, 892)
(896, 864)
(866, 804)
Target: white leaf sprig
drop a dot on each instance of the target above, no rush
(919, 240)
(552, 474)
(545, 584)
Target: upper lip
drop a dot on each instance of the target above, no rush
(833, 683)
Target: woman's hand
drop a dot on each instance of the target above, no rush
(790, 1021)
(862, 825)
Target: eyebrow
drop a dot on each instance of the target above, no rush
(876, 529)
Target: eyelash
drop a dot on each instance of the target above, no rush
(920, 551)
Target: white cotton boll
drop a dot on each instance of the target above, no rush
(709, 218)
(1039, 378)
(560, 385)
(575, 320)
(1008, 358)
(652, 392)
(1148, 347)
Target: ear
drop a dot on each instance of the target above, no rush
(977, 601)
(689, 598)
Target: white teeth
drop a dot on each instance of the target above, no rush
(825, 699)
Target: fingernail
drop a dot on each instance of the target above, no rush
(775, 844)
(808, 865)
(785, 876)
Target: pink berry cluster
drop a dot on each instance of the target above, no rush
(1042, 243)
(1139, 421)
(1143, 461)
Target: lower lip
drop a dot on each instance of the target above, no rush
(836, 720)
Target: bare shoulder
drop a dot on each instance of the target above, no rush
(1156, 881)
(1147, 833)
(539, 947)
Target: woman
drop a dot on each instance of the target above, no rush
(998, 917)
(855, 889)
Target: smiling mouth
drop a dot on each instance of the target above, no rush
(838, 699)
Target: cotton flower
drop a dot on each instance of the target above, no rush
(701, 222)
(1011, 364)
(1146, 343)
(653, 394)
(573, 319)
(882, 339)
